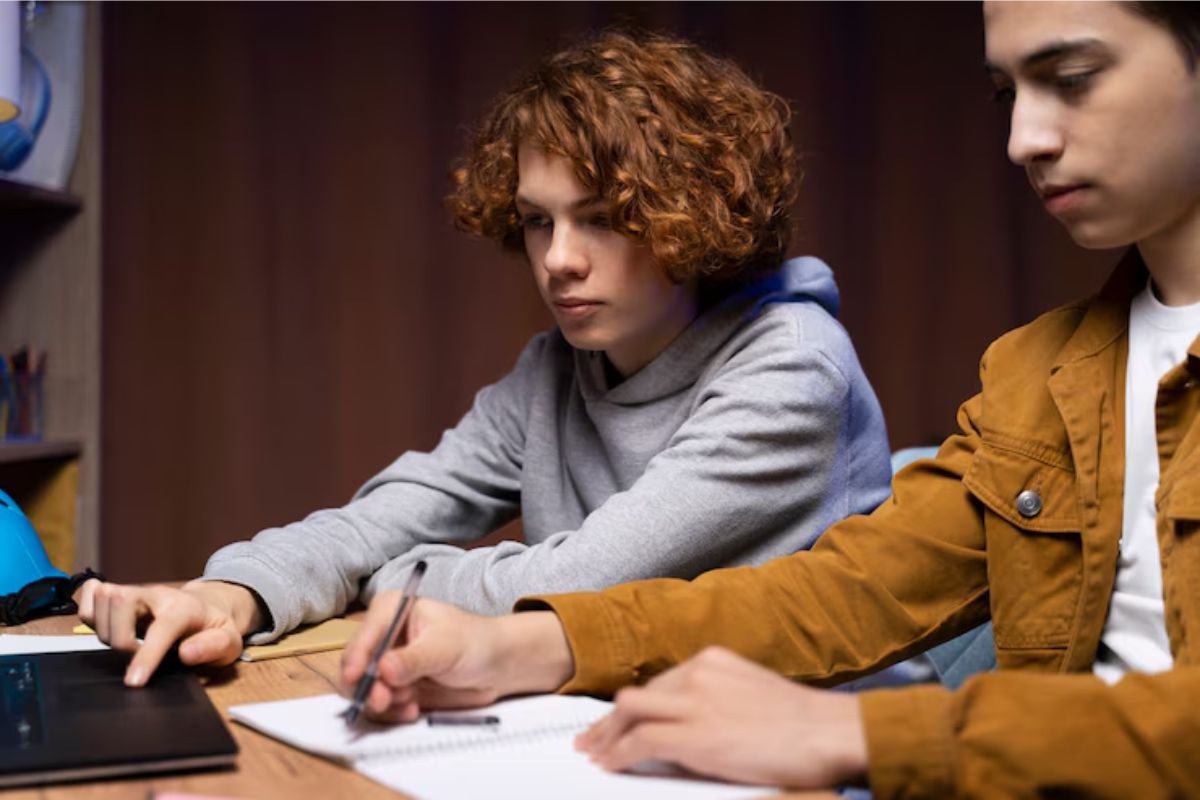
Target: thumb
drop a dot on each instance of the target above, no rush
(219, 646)
(424, 658)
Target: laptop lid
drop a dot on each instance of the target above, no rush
(69, 716)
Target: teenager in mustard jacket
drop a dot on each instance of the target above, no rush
(1067, 509)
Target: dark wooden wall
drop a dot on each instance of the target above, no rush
(287, 307)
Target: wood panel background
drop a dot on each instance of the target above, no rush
(286, 306)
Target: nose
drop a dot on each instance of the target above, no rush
(1034, 133)
(566, 256)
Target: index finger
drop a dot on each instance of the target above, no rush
(159, 638)
(634, 706)
(86, 599)
(359, 650)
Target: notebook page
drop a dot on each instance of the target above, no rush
(314, 724)
(544, 769)
(26, 644)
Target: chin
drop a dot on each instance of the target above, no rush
(1097, 236)
(581, 342)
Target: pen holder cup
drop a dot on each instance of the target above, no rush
(21, 408)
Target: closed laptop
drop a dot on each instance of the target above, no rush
(69, 716)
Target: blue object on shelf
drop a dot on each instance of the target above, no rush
(23, 559)
(18, 136)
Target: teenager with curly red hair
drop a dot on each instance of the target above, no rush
(697, 404)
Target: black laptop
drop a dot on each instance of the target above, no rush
(69, 716)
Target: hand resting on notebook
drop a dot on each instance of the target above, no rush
(719, 714)
(207, 618)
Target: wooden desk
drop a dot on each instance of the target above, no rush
(265, 768)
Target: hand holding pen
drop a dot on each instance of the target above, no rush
(407, 598)
(452, 661)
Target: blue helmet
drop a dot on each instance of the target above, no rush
(23, 560)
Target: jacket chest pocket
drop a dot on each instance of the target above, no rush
(1032, 524)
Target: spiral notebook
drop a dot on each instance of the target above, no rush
(529, 755)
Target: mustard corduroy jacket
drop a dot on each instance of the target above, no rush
(1018, 517)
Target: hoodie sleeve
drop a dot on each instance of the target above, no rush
(466, 487)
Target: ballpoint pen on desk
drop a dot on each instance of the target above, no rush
(407, 598)
(440, 720)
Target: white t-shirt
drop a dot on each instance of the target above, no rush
(1135, 635)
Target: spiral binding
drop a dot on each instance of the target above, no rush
(480, 740)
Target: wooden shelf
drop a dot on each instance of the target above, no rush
(17, 196)
(16, 452)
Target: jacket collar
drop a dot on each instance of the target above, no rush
(1107, 315)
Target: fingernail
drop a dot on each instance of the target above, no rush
(136, 676)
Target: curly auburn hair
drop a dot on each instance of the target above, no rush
(695, 159)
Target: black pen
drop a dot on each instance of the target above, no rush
(461, 719)
(407, 597)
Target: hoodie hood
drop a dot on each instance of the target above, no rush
(798, 280)
(806, 279)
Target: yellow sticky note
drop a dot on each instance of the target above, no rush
(81, 628)
(332, 634)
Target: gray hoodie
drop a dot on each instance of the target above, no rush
(743, 440)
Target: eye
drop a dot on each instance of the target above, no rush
(602, 221)
(535, 222)
(1072, 83)
(1004, 91)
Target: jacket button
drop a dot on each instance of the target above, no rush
(1029, 504)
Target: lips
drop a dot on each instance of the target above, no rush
(1062, 198)
(575, 307)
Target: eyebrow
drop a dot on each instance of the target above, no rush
(1050, 52)
(582, 202)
